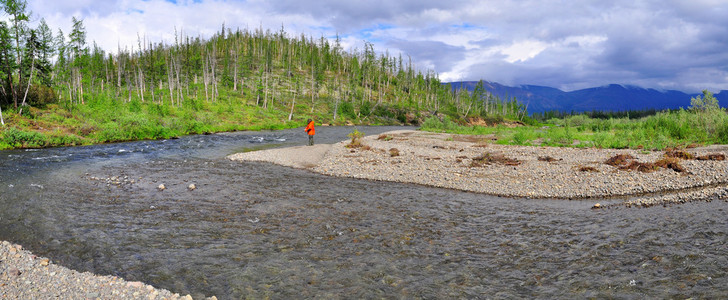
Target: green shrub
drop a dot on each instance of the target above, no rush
(434, 123)
(40, 96)
(600, 139)
(521, 138)
(578, 120)
(383, 111)
(722, 134)
(134, 106)
(365, 109)
(23, 139)
(109, 132)
(355, 136)
(347, 109)
(58, 138)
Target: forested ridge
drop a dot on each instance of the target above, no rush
(59, 89)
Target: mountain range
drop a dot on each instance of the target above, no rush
(613, 97)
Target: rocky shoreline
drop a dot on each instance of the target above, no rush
(475, 164)
(462, 162)
(27, 276)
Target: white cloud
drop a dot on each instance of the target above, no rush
(522, 50)
(676, 43)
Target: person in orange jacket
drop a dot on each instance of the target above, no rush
(311, 132)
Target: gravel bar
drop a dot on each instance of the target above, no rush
(447, 161)
(431, 159)
(26, 276)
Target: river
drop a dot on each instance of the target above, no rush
(259, 230)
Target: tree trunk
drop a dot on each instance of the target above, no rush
(18, 58)
(265, 100)
(313, 80)
(80, 86)
(205, 78)
(170, 82)
(338, 98)
(30, 78)
(293, 103)
(70, 96)
(180, 95)
(235, 69)
(140, 82)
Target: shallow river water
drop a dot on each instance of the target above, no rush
(258, 230)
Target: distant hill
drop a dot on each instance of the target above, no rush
(613, 97)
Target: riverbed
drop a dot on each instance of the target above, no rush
(257, 229)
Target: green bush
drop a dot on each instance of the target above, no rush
(383, 111)
(434, 123)
(559, 136)
(134, 106)
(40, 96)
(365, 109)
(355, 136)
(600, 139)
(722, 134)
(26, 139)
(109, 132)
(347, 109)
(58, 138)
(520, 138)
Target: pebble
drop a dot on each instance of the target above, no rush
(161, 187)
(25, 276)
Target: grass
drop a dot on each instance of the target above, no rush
(104, 120)
(669, 129)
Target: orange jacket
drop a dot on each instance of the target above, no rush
(310, 129)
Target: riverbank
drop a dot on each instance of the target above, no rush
(27, 276)
(471, 163)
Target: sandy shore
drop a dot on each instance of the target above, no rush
(451, 161)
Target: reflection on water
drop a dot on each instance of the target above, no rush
(255, 229)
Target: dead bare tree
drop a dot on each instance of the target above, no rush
(30, 79)
(177, 69)
(205, 76)
(170, 81)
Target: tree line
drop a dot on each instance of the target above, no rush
(258, 67)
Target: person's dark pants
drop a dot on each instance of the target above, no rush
(310, 140)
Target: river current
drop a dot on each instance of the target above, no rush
(257, 230)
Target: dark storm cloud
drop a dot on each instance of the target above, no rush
(351, 15)
(657, 44)
(432, 54)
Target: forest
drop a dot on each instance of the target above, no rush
(60, 89)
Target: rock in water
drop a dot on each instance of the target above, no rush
(597, 206)
(161, 187)
(192, 187)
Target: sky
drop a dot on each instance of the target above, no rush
(567, 44)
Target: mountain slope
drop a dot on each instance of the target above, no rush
(613, 97)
